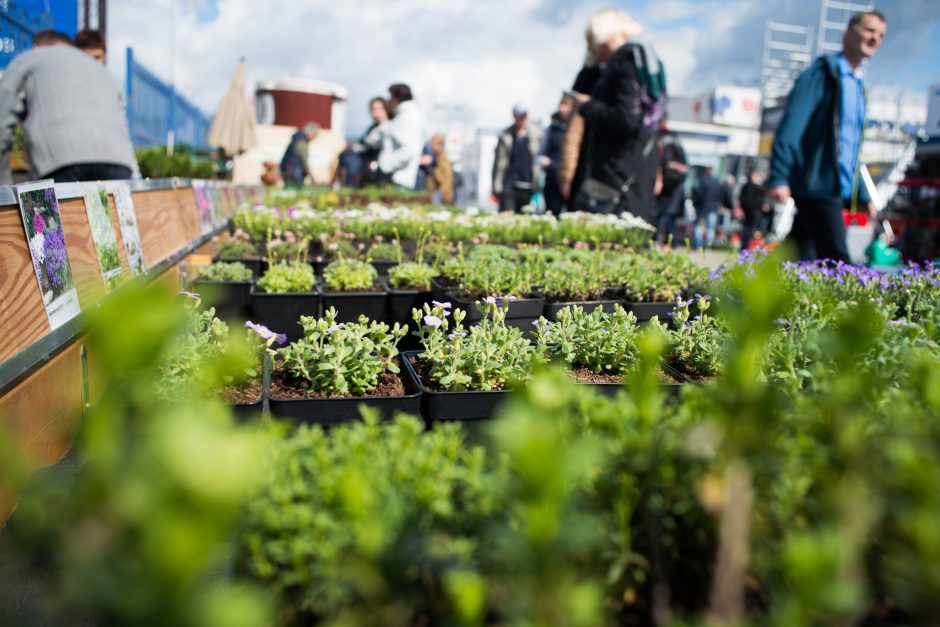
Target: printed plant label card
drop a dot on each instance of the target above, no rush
(127, 218)
(102, 232)
(40, 211)
(203, 206)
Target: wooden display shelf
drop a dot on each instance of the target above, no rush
(41, 382)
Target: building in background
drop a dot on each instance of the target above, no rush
(284, 105)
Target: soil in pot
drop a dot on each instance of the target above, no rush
(241, 395)
(394, 393)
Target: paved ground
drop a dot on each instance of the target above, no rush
(711, 259)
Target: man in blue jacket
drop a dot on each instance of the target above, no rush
(816, 151)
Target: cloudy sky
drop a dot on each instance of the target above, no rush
(472, 59)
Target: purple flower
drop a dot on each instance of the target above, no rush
(490, 299)
(455, 335)
(190, 295)
(439, 304)
(332, 329)
(265, 333)
(897, 323)
(433, 321)
(535, 322)
(39, 225)
(57, 259)
(783, 322)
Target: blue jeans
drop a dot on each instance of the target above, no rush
(705, 229)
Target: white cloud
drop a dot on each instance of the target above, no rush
(473, 57)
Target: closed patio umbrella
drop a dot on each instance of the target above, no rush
(233, 127)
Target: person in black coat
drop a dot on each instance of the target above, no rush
(753, 199)
(622, 117)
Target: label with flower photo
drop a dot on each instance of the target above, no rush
(102, 232)
(203, 206)
(40, 211)
(127, 219)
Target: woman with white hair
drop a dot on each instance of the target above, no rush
(622, 117)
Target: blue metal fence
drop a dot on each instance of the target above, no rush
(19, 21)
(154, 109)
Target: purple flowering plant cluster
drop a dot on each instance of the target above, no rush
(341, 358)
(483, 357)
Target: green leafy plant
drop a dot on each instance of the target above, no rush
(600, 342)
(224, 272)
(411, 274)
(350, 274)
(406, 505)
(696, 345)
(203, 341)
(284, 278)
(384, 251)
(484, 357)
(342, 358)
(236, 249)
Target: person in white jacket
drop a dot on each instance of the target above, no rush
(403, 138)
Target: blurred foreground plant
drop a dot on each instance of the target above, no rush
(138, 536)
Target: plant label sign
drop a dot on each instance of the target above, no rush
(127, 219)
(40, 211)
(203, 206)
(102, 232)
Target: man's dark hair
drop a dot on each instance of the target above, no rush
(858, 17)
(51, 37)
(400, 92)
(90, 39)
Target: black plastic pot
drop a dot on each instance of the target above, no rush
(382, 267)
(245, 411)
(231, 299)
(449, 406)
(252, 263)
(521, 308)
(281, 312)
(551, 310)
(400, 304)
(349, 305)
(646, 311)
(334, 411)
(441, 291)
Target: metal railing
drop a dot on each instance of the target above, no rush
(18, 24)
(155, 110)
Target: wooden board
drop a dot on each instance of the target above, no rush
(22, 315)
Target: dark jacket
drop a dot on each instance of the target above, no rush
(752, 199)
(621, 150)
(294, 165)
(708, 194)
(806, 147)
(554, 138)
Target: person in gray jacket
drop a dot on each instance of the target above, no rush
(71, 113)
(515, 165)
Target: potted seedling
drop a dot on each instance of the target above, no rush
(225, 286)
(598, 348)
(240, 248)
(324, 376)
(352, 287)
(465, 371)
(285, 292)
